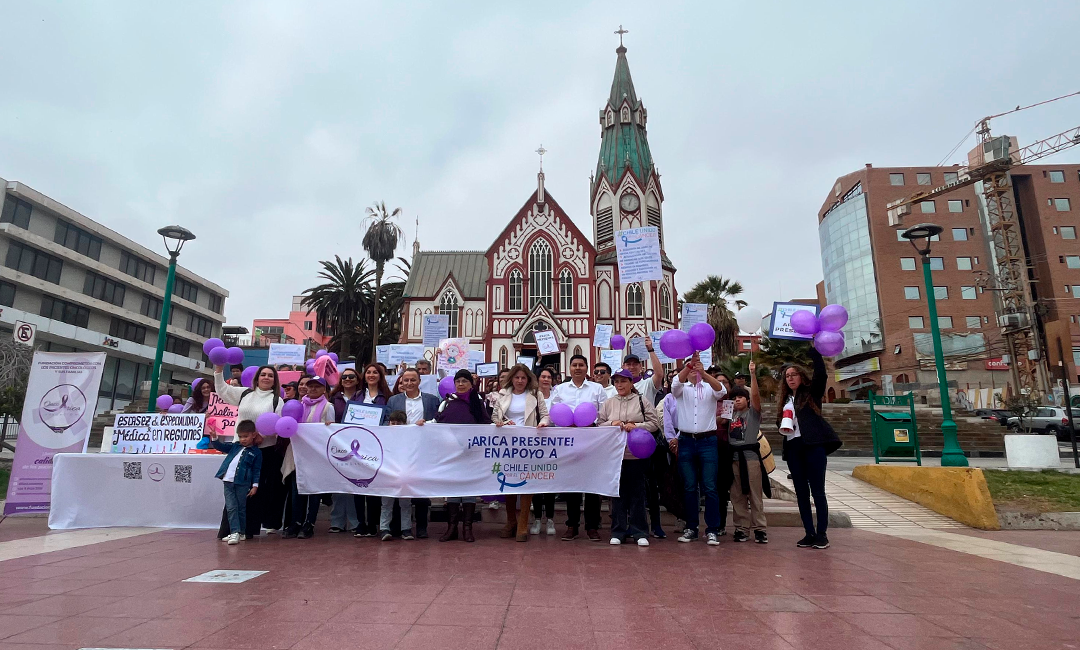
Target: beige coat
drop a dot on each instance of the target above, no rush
(628, 409)
(532, 407)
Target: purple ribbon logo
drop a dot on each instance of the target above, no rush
(356, 453)
(354, 450)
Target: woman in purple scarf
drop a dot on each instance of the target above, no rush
(463, 406)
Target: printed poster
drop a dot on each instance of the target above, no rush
(61, 399)
(476, 357)
(382, 354)
(436, 327)
(655, 336)
(638, 251)
(292, 354)
(602, 336)
(780, 321)
(546, 343)
(692, 314)
(613, 358)
(407, 353)
(156, 433)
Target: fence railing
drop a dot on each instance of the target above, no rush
(9, 431)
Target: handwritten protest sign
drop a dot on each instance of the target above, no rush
(436, 328)
(454, 355)
(156, 433)
(221, 417)
(638, 251)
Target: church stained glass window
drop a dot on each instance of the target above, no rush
(665, 303)
(515, 290)
(449, 306)
(635, 302)
(566, 290)
(540, 274)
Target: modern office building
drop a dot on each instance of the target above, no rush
(87, 287)
(878, 276)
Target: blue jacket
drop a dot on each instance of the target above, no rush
(431, 404)
(249, 468)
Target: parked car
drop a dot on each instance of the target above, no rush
(1001, 416)
(1047, 419)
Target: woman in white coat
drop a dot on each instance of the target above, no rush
(520, 404)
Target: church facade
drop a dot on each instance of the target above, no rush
(542, 272)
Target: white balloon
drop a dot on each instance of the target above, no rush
(749, 319)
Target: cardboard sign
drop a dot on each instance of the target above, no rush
(692, 314)
(156, 433)
(487, 370)
(780, 321)
(221, 417)
(727, 409)
(546, 343)
(436, 327)
(367, 415)
(602, 336)
(638, 252)
(292, 354)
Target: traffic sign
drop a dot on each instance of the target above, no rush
(24, 332)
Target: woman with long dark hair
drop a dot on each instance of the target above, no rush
(267, 507)
(544, 504)
(808, 441)
(200, 397)
(364, 510)
(463, 406)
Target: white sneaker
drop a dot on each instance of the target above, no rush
(615, 541)
(551, 527)
(712, 540)
(270, 531)
(534, 529)
(642, 541)
(233, 540)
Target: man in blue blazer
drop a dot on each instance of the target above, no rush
(419, 408)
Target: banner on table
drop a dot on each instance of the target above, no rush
(290, 353)
(601, 337)
(221, 417)
(61, 398)
(436, 328)
(156, 433)
(638, 252)
(780, 321)
(692, 314)
(447, 460)
(453, 355)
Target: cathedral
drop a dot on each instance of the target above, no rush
(542, 272)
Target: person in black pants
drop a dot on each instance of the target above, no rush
(808, 441)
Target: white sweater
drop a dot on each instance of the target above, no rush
(255, 404)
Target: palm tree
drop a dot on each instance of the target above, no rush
(776, 352)
(341, 302)
(716, 292)
(380, 242)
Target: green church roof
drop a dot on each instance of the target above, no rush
(623, 144)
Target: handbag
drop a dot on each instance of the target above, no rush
(765, 451)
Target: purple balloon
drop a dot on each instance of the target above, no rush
(321, 353)
(163, 402)
(832, 318)
(266, 423)
(561, 415)
(195, 383)
(829, 344)
(219, 356)
(248, 376)
(236, 356)
(210, 344)
(702, 336)
(310, 366)
(642, 444)
(446, 386)
(176, 408)
(293, 409)
(805, 322)
(585, 414)
(618, 342)
(285, 426)
(333, 355)
(676, 344)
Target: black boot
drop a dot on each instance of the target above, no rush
(468, 510)
(306, 532)
(453, 512)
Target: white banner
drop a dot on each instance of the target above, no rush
(447, 460)
(546, 342)
(61, 398)
(156, 433)
(638, 253)
(405, 353)
(290, 353)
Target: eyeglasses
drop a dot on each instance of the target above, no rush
(352, 377)
(601, 372)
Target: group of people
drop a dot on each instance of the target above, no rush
(703, 452)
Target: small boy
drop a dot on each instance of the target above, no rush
(386, 514)
(240, 473)
(751, 481)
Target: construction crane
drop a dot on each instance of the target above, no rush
(990, 163)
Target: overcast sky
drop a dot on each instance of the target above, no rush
(267, 127)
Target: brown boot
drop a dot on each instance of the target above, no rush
(523, 518)
(467, 512)
(452, 516)
(511, 527)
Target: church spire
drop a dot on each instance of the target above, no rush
(623, 144)
(416, 240)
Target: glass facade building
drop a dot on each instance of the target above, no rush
(848, 265)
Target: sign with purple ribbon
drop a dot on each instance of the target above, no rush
(356, 453)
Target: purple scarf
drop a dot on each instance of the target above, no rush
(310, 405)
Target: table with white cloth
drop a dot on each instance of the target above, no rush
(156, 490)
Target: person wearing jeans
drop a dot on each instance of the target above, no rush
(573, 393)
(696, 393)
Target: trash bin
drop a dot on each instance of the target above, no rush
(895, 433)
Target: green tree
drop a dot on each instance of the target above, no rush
(717, 292)
(380, 242)
(341, 302)
(776, 352)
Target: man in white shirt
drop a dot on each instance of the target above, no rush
(419, 407)
(647, 386)
(696, 394)
(572, 393)
(602, 374)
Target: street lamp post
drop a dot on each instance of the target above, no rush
(177, 235)
(951, 454)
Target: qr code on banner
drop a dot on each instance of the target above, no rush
(182, 473)
(133, 470)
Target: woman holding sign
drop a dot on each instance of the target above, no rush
(267, 507)
(365, 509)
(519, 404)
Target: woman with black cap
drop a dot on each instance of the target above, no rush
(463, 406)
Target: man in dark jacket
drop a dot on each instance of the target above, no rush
(419, 408)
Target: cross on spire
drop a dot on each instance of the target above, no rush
(541, 151)
(620, 32)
